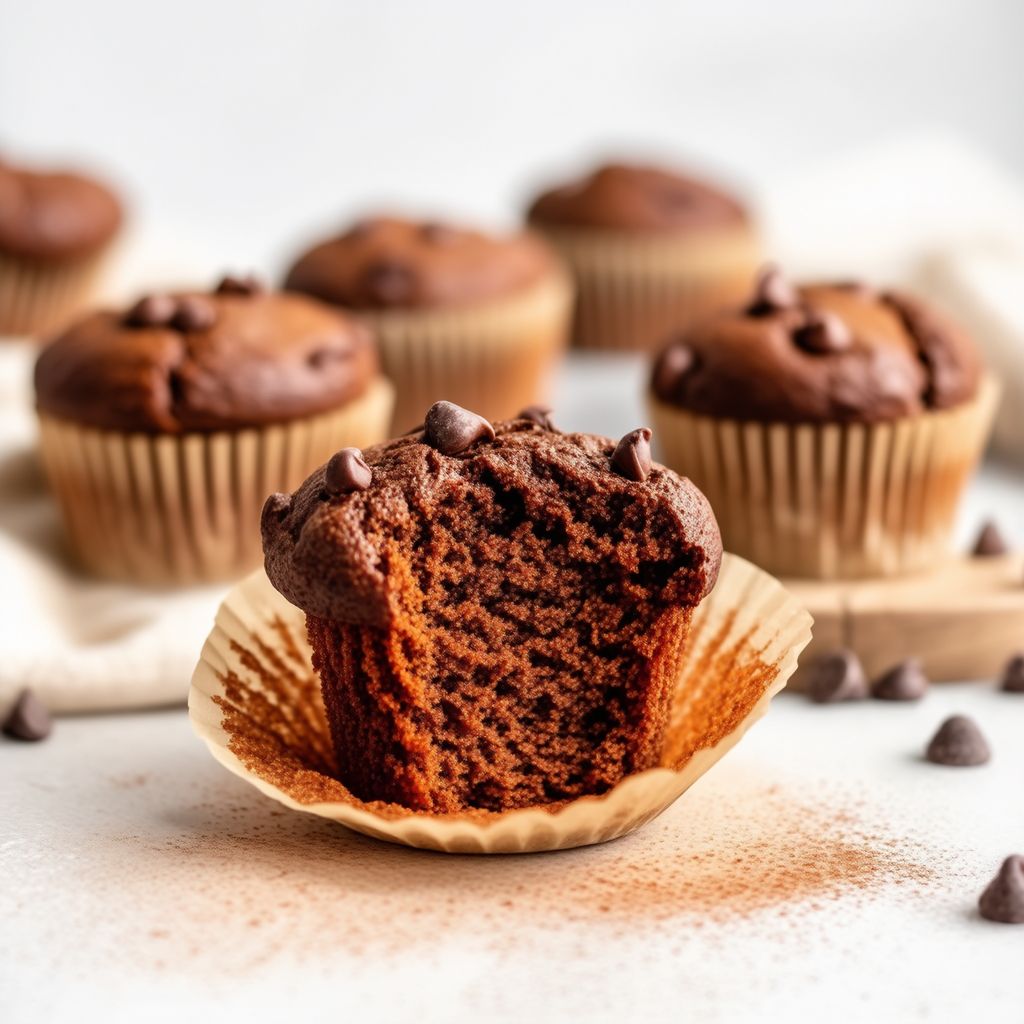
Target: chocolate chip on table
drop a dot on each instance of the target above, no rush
(451, 429)
(28, 719)
(347, 471)
(674, 363)
(389, 282)
(990, 542)
(958, 742)
(151, 311)
(905, 681)
(632, 455)
(823, 333)
(1012, 680)
(1003, 899)
(194, 313)
(232, 285)
(772, 292)
(837, 676)
(539, 414)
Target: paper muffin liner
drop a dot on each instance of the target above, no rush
(634, 290)
(832, 501)
(177, 509)
(495, 358)
(39, 297)
(255, 700)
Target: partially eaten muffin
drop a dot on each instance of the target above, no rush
(497, 613)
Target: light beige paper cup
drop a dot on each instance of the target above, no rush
(178, 509)
(832, 501)
(495, 359)
(636, 290)
(255, 700)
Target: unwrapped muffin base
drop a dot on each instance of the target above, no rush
(832, 501)
(255, 700)
(176, 509)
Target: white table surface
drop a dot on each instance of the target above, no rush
(821, 870)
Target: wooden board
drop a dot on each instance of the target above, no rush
(964, 620)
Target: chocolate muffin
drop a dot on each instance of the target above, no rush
(55, 228)
(833, 426)
(475, 317)
(497, 612)
(651, 251)
(165, 426)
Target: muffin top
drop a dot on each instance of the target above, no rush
(386, 263)
(819, 353)
(202, 361)
(53, 216)
(333, 547)
(626, 197)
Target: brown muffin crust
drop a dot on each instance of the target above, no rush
(393, 263)
(192, 361)
(625, 197)
(500, 626)
(54, 216)
(819, 353)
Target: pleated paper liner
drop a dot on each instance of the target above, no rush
(635, 290)
(166, 509)
(832, 501)
(255, 700)
(494, 359)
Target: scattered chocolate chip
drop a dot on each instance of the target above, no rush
(990, 542)
(247, 285)
(959, 742)
(905, 681)
(632, 455)
(28, 719)
(1003, 899)
(451, 429)
(539, 414)
(438, 234)
(276, 507)
(772, 292)
(194, 313)
(837, 676)
(823, 333)
(674, 363)
(389, 283)
(151, 311)
(347, 471)
(1013, 675)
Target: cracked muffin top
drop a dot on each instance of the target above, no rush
(235, 357)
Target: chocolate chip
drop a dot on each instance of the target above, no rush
(632, 455)
(905, 681)
(1013, 675)
(958, 742)
(674, 363)
(389, 283)
(347, 471)
(194, 313)
(771, 293)
(438, 234)
(451, 429)
(275, 508)
(28, 719)
(231, 285)
(151, 311)
(837, 676)
(539, 414)
(823, 333)
(990, 542)
(1003, 899)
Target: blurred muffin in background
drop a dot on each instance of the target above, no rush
(651, 251)
(56, 227)
(477, 319)
(164, 427)
(833, 427)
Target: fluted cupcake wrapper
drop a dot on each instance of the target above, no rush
(494, 359)
(178, 509)
(634, 290)
(255, 700)
(832, 501)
